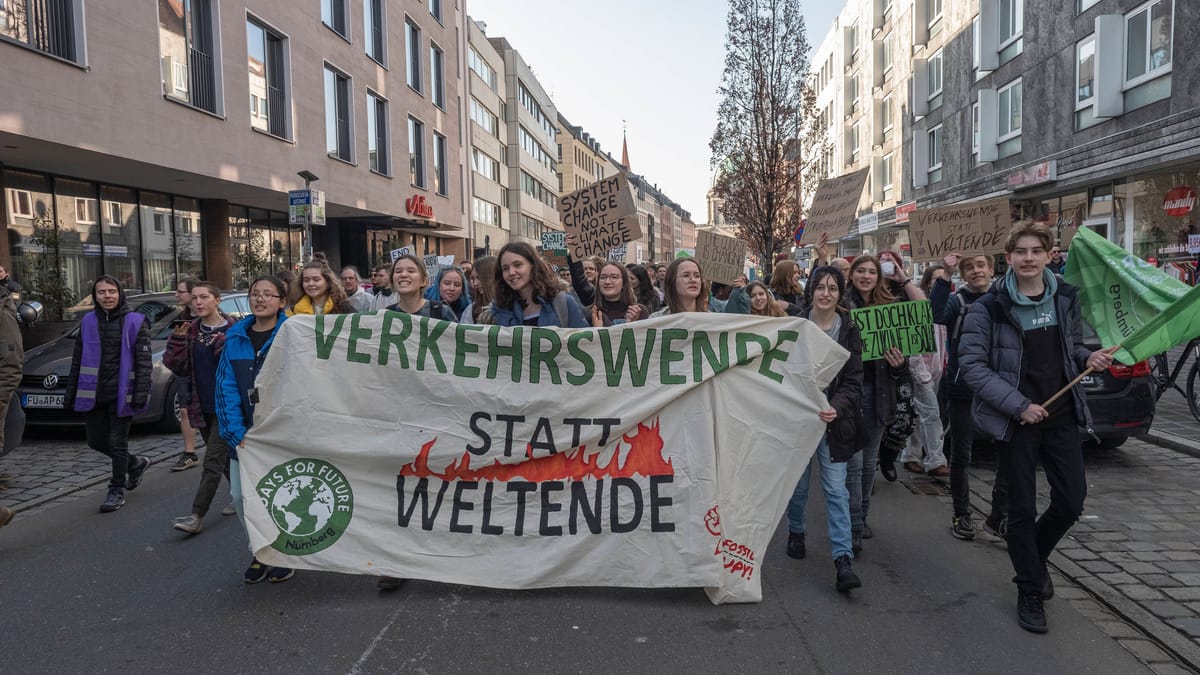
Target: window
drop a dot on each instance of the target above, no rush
(536, 189)
(935, 74)
(112, 216)
(535, 149)
(412, 44)
(885, 118)
(483, 212)
(484, 118)
(852, 43)
(375, 29)
(1085, 72)
(885, 177)
(855, 96)
(377, 134)
(20, 204)
(935, 150)
(437, 90)
(1086, 4)
(50, 25)
(1009, 101)
(160, 223)
(265, 55)
(85, 211)
(441, 182)
(435, 9)
(482, 69)
(975, 128)
(333, 14)
(1148, 36)
(889, 54)
(416, 152)
(1012, 21)
(935, 16)
(337, 115)
(186, 52)
(975, 47)
(853, 144)
(484, 165)
(530, 103)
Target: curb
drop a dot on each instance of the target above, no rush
(1182, 649)
(1171, 442)
(63, 492)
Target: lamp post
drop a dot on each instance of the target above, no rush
(309, 178)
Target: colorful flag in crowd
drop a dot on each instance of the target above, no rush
(1130, 302)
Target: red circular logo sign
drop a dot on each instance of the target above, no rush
(1179, 201)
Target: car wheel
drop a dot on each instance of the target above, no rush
(169, 422)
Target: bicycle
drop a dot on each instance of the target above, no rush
(1163, 377)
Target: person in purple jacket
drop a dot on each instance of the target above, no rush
(110, 383)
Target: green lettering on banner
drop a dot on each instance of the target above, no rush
(702, 353)
(462, 347)
(743, 341)
(907, 326)
(512, 351)
(429, 343)
(539, 357)
(356, 334)
(582, 357)
(389, 339)
(627, 352)
(669, 355)
(325, 341)
(777, 353)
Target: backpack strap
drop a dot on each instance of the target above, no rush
(963, 306)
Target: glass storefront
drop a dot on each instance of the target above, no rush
(262, 243)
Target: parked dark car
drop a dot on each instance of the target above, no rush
(1121, 399)
(43, 386)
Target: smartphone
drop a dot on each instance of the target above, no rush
(889, 268)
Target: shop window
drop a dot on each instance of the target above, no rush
(78, 235)
(50, 26)
(1148, 39)
(189, 62)
(122, 238)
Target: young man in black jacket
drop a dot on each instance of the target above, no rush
(1021, 344)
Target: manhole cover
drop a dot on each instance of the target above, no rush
(931, 488)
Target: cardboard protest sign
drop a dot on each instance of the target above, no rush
(397, 252)
(618, 253)
(722, 258)
(969, 229)
(554, 247)
(534, 457)
(834, 208)
(599, 217)
(907, 325)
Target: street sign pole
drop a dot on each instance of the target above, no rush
(308, 247)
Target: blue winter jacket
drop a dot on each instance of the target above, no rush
(991, 352)
(235, 378)
(513, 316)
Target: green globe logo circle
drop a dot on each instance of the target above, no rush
(302, 506)
(311, 503)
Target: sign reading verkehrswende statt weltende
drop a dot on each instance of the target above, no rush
(521, 457)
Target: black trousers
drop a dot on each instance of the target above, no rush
(1031, 539)
(108, 434)
(216, 464)
(962, 438)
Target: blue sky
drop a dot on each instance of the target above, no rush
(656, 64)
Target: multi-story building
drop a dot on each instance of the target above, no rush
(1080, 116)
(581, 162)
(488, 139)
(110, 169)
(532, 136)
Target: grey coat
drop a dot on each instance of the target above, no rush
(990, 355)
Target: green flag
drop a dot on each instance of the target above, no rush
(1129, 301)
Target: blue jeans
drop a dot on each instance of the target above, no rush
(860, 470)
(837, 501)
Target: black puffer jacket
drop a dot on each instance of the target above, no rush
(110, 325)
(991, 354)
(886, 378)
(844, 392)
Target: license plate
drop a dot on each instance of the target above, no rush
(42, 400)
(1089, 380)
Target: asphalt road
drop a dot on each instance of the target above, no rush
(82, 591)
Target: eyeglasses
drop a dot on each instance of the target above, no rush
(263, 296)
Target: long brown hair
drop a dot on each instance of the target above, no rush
(772, 308)
(484, 270)
(335, 292)
(674, 302)
(420, 266)
(880, 295)
(626, 297)
(781, 279)
(544, 281)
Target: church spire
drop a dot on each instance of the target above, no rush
(624, 147)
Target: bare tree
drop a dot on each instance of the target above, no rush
(766, 110)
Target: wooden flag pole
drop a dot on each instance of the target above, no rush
(1089, 371)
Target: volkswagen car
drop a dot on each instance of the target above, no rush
(42, 391)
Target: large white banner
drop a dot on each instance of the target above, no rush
(661, 453)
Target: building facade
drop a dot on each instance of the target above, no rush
(488, 138)
(581, 161)
(532, 136)
(152, 140)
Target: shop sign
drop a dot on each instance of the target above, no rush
(1042, 172)
(1193, 245)
(868, 223)
(417, 206)
(903, 211)
(1179, 201)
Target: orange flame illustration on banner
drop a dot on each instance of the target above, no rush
(644, 459)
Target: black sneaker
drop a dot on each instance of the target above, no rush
(856, 541)
(389, 583)
(867, 531)
(996, 526)
(136, 473)
(280, 574)
(186, 461)
(888, 469)
(114, 500)
(963, 527)
(795, 547)
(6, 515)
(1031, 612)
(255, 573)
(847, 580)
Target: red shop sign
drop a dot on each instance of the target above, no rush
(1179, 201)
(416, 206)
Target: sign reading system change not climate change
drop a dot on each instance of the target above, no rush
(905, 325)
(600, 217)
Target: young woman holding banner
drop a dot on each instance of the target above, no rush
(529, 294)
(822, 297)
(883, 379)
(615, 303)
(684, 287)
(409, 280)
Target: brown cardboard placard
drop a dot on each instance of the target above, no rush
(600, 217)
(722, 258)
(834, 207)
(973, 228)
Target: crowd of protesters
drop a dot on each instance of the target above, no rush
(1004, 347)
